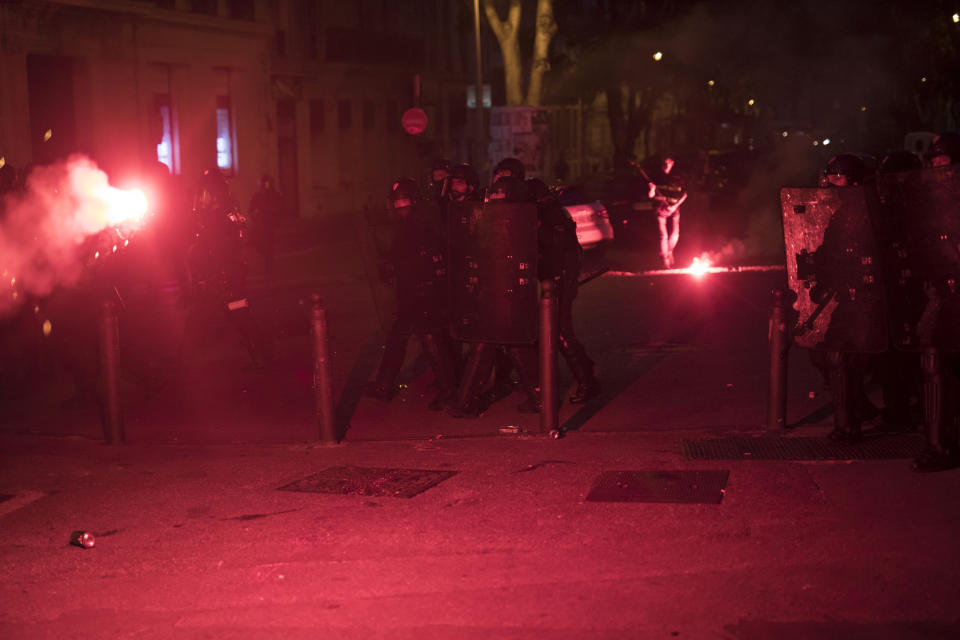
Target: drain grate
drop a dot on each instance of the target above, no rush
(889, 447)
(701, 487)
(367, 481)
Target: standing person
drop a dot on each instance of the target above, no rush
(486, 357)
(668, 191)
(560, 260)
(418, 269)
(218, 272)
(265, 212)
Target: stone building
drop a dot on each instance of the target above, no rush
(311, 91)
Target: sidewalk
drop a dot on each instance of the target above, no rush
(197, 542)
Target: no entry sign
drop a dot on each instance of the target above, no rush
(414, 121)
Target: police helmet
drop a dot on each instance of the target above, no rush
(900, 160)
(944, 149)
(845, 170)
(404, 193)
(512, 167)
(510, 189)
(466, 173)
(213, 188)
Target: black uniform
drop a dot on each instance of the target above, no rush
(217, 270)
(560, 260)
(416, 262)
(266, 210)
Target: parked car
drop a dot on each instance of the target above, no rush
(630, 208)
(590, 215)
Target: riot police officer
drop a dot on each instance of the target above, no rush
(560, 260)
(437, 184)
(508, 168)
(844, 372)
(266, 210)
(417, 263)
(485, 357)
(464, 184)
(941, 370)
(216, 268)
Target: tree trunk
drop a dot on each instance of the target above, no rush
(506, 33)
(546, 28)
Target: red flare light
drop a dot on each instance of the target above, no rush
(700, 266)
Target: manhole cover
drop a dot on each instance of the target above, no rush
(774, 448)
(704, 487)
(366, 481)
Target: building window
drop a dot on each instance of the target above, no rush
(224, 134)
(369, 114)
(317, 121)
(164, 115)
(343, 115)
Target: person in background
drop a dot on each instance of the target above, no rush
(668, 191)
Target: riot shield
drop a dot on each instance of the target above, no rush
(921, 221)
(834, 270)
(375, 233)
(493, 272)
(418, 259)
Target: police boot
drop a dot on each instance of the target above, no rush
(525, 361)
(940, 451)
(581, 366)
(468, 400)
(385, 385)
(437, 348)
(846, 416)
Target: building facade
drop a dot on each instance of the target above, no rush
(311, 91)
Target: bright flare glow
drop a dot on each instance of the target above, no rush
(47, 327)
(826, 141)
(47, 134)
(750, 102)
(700, 266)
(784, 134)
(710, 83)
(863, 108)
(956, 17)
(658, 56)
(923, 79)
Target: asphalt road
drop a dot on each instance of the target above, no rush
(195, 540)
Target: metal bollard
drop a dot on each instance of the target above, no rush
(933, 418)
(779, 346)
(322, 389)
(112, 412)
(549, 417)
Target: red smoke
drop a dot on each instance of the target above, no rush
(45, 227)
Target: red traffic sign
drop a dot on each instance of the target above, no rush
(414, 121)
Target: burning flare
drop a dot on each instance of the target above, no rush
(700, 266)
(43, 228)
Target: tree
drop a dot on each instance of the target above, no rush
(507, 32)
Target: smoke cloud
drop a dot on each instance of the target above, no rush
(45, 227)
